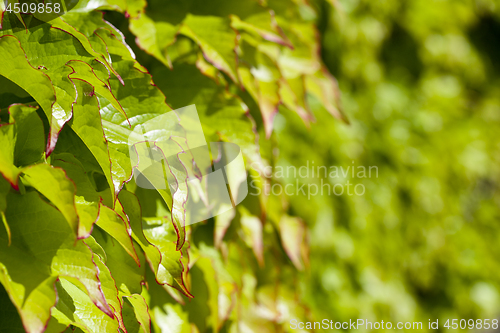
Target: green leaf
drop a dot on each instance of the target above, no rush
(11, 323)
(55, 186)
(87, 125)
(222, 223)
(4, 190)
(87, 199)
(130, 7)
(325, 88)
(7, 142)
(204, 286)
(172, 318)
(84, 72)
(222, 115)
(160, 252)
(30, 141)
(128, 275)
(154, 37)
(293, 237)
(44, 245)
(261, 78)
(138, 98)
(72, 46)
(47, 84)
(74, 307)
(132, 211)
(60, 24)
(54, 326)
(251, 232)
(214, 287)
(115, 127)
(261, 22)
(94, 85)
(11, 93)
(161, 233)
(216, 39)
(16, 68)
(109, 287)
(293, 94)
(116, 227)
(141, 314)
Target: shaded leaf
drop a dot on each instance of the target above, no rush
(7, 142)
(11, 323)
(141, 314)
(30, 141)
(128, 275)
(117, 228)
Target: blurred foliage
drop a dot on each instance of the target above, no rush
(420, 85)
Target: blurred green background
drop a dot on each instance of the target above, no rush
(420, 85)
